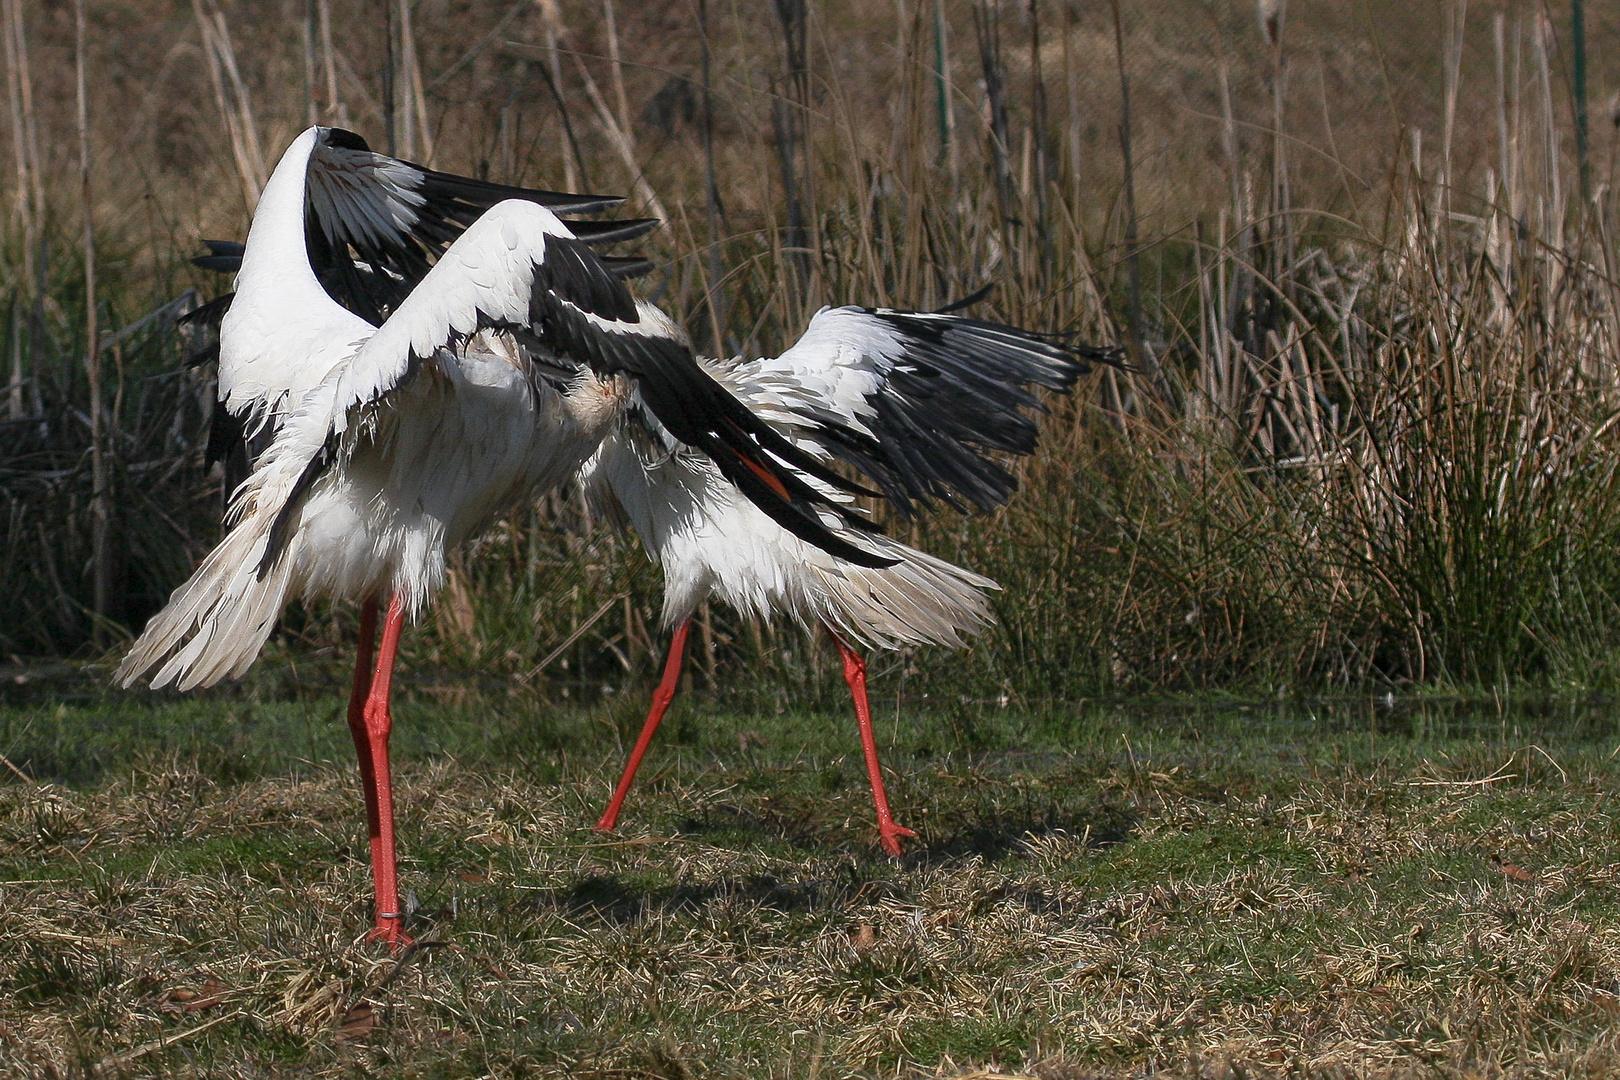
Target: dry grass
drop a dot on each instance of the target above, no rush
(1187, 892)
(1371, 441)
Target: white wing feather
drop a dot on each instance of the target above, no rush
(842, 358)
(487, 277)
(283, 334)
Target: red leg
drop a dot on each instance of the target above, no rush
(855, 674)
(661, 699)
(378, 724)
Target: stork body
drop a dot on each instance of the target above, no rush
(927, 396)
(397, 437)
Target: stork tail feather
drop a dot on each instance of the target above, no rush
(215, 624)
(919, 600)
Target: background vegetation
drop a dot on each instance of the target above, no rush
(1369, 283)
(1363, 257)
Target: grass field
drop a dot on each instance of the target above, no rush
(1219, 888)
(1369, 442)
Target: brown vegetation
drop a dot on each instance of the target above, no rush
(1374, 316)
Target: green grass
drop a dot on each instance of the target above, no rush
(1192, 885)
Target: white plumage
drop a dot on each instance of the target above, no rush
(710, 541)
(435, 439)
(916, 400)
(408, 416)
(283, 333)
(471, 435)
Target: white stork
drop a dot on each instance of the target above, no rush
(480, 352)
(914, 400)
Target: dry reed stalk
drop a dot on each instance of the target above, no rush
(987, 25)
(1071, 88)
(1505, 160)
(706, 626)
(25, 85)
(412, 102)
(1042, 166)
(1553, 214)
(621, 142)
(948, 157)
(25, 209)
(306, 39)
(504, 137)
(1272, 17)
(1451, 69)
(101, 519)
(334, 109)
(900, 179)
(714, 301)
(574, 174)
(551, 16)
(16, 404)
(618, 72)
(1577, 33)
(1234, 165)
(1133, 256)
(231, 96)
(1516, 207)
(390, 78)
(790, 121)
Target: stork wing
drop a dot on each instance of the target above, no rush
(916, 401)
(520, 268)
(377, 223)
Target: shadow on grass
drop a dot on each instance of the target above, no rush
(950, 837)
(863, 879)
(993, 834)
(993, 821)
(613, 899)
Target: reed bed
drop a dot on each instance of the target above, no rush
(1366, 436)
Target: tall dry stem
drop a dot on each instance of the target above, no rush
(232, 99)
(26, 209)
(411, 103)
(101, 518)
(551, 14)
(1133, 257)
(621, 140)
(335, 111)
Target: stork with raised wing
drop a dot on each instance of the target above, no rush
(427, 351)
(918, 401)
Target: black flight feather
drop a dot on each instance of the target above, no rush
(571, 283)
(625, 267)
(957, 394)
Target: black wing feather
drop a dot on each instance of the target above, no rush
(625, 267)
(450, 203)
(226, 431)
(570, 283)
(205, 319)
(615, 231)
(224, 264)
(209, 314)
(958, 394)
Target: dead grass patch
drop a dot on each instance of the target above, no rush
(1257, 917)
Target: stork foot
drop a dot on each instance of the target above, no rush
(890, 832)
(398, 940)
